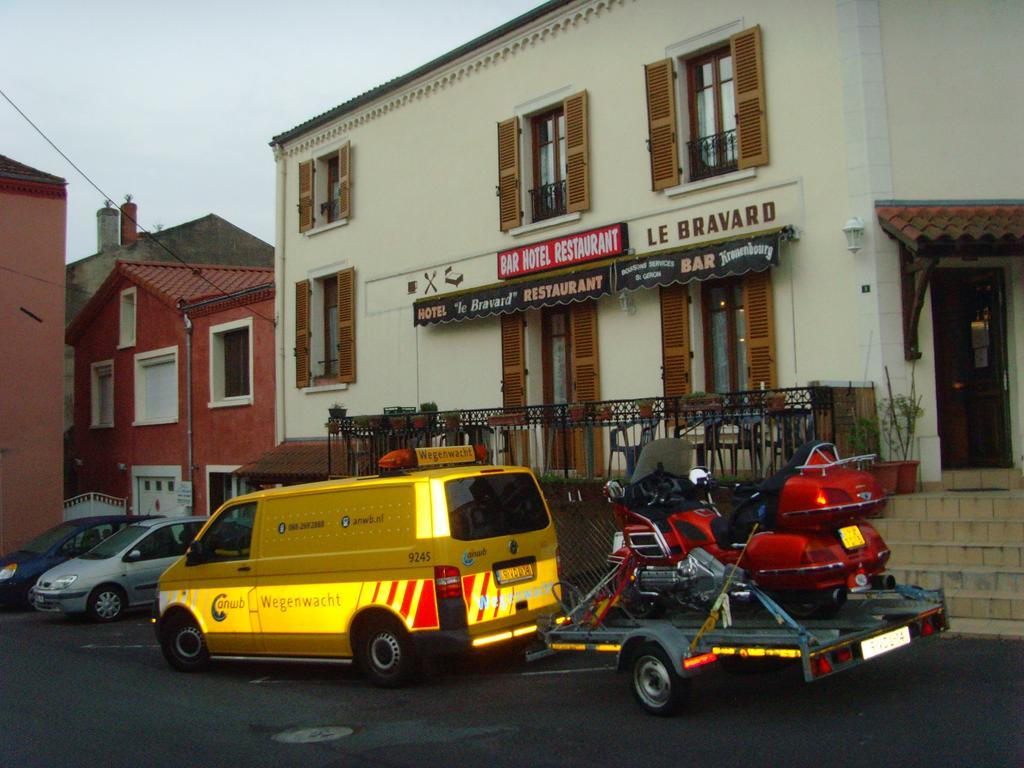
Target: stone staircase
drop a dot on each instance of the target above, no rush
(968, 538)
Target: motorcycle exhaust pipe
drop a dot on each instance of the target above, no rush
(883, 581)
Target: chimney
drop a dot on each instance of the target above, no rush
(106, 228)
(129, 215)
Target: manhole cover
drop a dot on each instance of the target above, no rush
(313, 735)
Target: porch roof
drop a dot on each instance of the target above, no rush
(289, 463)
(924, 225)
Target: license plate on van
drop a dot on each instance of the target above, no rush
(513, 574)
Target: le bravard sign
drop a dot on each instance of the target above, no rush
(560, 252)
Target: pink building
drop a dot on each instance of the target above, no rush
(174, 384)
(32, 227)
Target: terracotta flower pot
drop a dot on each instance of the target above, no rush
(887, 475)
(906, 479)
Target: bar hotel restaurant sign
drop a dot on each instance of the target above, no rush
(595, 263)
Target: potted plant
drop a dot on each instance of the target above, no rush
(645, 407)
(578, 411)
(774, 402)
(899, 429)
(425, 417)
(865, 440)
(701, 401)
(361, 421)
(337, 410)
(452, 421)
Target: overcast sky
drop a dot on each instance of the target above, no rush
(176, 102)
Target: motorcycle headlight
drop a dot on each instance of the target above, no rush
(64, 581)
(8, 571)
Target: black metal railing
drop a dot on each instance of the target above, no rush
(330, 209)
(548, 200)
(712, 155)
(736, 434)
(328, 368)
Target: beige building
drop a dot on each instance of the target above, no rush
(612, 199)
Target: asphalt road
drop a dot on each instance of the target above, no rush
(78, 694)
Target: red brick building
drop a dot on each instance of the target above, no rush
(32, 233)
(174, 384)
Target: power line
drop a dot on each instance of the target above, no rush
(196, 270)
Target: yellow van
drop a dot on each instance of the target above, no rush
(430, 557)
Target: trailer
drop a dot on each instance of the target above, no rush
(663, 654)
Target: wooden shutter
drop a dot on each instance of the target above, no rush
(345, 181)
(585, 377)
(662, 142)
(509, 212)
(586, 383)
(675, 340)
(751, 120)
(757, 301)
(305, 196)
(513, 361)
(347, 326)
(577, 149)
(302, 334)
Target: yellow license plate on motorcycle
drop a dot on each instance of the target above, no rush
(851, 537)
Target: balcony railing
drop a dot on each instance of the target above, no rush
(737, 434)
(548, 200)
(712, 155)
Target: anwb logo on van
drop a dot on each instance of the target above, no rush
(221, 604)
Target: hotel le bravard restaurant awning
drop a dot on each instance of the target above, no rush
(705, 261)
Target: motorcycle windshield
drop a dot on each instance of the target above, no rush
(673, 454)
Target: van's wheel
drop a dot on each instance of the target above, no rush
(106, 603)
(385, 652)
(183, 644)
(656, 685)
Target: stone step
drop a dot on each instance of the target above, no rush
(962, 531)
(952, 578)
(992, 628)
(919, 554)
(971, 604)
(1004, 479)
(992, 505)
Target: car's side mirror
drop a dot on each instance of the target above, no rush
(195, 554)
(133, 557)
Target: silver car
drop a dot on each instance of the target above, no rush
(119, 573)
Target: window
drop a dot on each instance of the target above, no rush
(156, 386)
(487, 507)
(724, 126)
(230, 535)
(739, 333)
(231, 363)
(168, 541)
(547, 198)
(725, 339)
(126, 335)
(325, 189)
(325, 342)
(555, 169)
(101, 394)
(712, 106)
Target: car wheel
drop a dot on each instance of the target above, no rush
(656, 685)
(106, 603)
(386, 654)
(183, 644)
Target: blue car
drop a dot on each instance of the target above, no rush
(20, 569)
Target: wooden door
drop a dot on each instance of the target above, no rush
(969, 320)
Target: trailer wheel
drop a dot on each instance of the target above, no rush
(656, 685)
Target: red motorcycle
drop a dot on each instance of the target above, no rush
(800, 535)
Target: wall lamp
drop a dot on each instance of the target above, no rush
(854, 231)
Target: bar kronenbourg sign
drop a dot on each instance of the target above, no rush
(735, 257)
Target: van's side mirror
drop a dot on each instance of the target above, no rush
(133, 557)
(195, 554)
